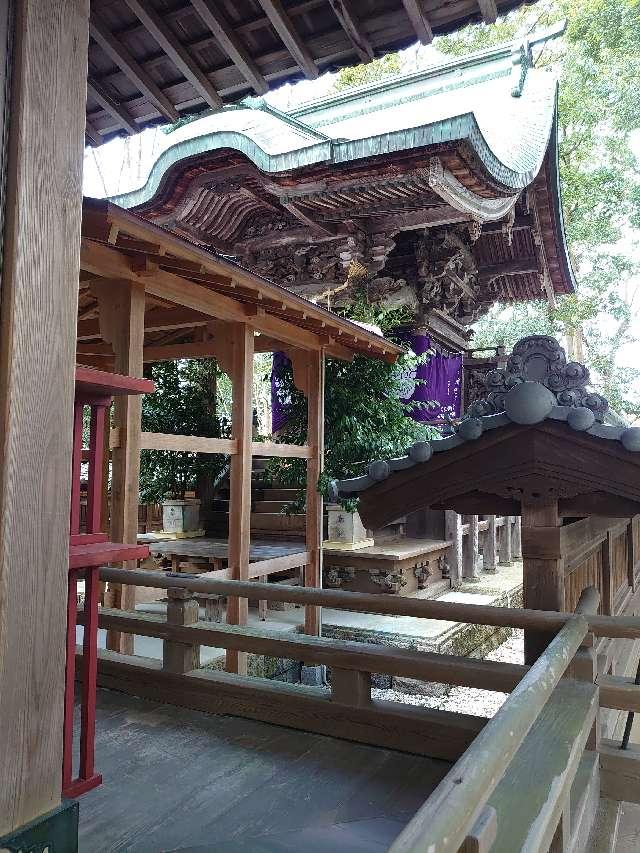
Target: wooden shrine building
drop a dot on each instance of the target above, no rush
(205, 759)
(437, 190)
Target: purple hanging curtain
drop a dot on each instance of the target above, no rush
(442, 375)
(280, 399)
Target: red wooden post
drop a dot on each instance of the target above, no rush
(87, 552)
(78, 412)
(70, 674)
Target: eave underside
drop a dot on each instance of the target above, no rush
(152, 63)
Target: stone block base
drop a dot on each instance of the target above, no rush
(56, 830)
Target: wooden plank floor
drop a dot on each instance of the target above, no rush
(179, 780)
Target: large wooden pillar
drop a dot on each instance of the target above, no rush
(122, 304)
(315, 440)
(543, 570)
(241, 362)
(38, 312)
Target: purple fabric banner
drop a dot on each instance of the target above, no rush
(279, 398)
(441, 383)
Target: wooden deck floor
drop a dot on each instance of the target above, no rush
(179, 780)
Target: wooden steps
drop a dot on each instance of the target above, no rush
(545, 766)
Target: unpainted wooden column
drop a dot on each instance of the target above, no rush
(543, 570)
(505, 550)
(516, 538)
(472, 549)
(315, 440)
(489, 546)
(241, 358)
(121, 304)
(453, 533)
(38, 314)
(182, 609)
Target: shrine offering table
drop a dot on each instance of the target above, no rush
(400, 565)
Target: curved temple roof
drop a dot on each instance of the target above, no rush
(493, 101)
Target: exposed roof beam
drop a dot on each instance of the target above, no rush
(176, 51)
(488, 10)
(519, 266)
(156, 320)
(352, 27)
(120, 114)
(325, 229)
(281, 21)
(231, 44)
(116, 51)
(92, 133)
(419, 21)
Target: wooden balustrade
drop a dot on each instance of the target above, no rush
(545, 725)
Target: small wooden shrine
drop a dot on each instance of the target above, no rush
(537, 446)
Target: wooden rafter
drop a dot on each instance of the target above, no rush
(282, 24)
(92, 134)
(488, 10)
(119, 113)
(176, 51)
(231, 44)
(116, 51)
(353, 28)
(419, 21)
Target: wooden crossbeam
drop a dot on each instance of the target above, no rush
(156, 320)
(176, 51)
(419, 21)
(116, 51)
(119, 113)
(488, 10)
(282, 24)
(187, 443)
(285, 451)
(231, 44)
(349, 22)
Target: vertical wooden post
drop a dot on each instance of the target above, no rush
(506, 553)
(453, 532)
(315, 440)
(240, 480)
(631, 555)
(122, 305)
(607, 575)
(489, 550)
(38, 315)
(471, 554)
(516, 538)
(182, 609)
(543, 578)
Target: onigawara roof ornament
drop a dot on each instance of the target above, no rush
(540, 358)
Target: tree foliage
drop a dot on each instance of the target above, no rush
(389, 65)
(599, 109)
(364, 417)
(185, 403)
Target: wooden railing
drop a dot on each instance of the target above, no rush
(472, 805)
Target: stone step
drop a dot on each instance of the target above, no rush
(270, 506)
(276, 521)
(278, 494)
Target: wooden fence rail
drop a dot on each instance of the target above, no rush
(477, 614)
(447, 816)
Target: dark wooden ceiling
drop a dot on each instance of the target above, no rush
(156, 61)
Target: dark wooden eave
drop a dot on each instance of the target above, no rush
(156, 61)
(494, 474)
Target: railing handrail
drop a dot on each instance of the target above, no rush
(627, 627)
(345, 654)
(445, 819)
